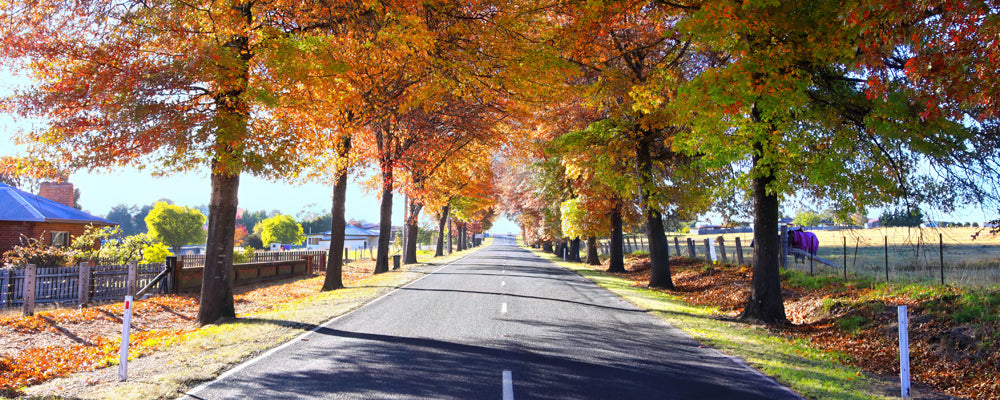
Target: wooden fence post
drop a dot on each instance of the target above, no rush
(691, 251)
(83, 284)
(130, 284)
(347, 255)
(30, 274)
(722, 249)
(309, 264)
(739, 251)
(171, 264)
(677, 245)
(708, 251)
(4, 287)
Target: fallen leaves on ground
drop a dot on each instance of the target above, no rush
(957, 355)
(58, 342)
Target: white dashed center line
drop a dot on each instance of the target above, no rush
(508, 386)
(503, 308)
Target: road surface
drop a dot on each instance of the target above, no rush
(499, 324)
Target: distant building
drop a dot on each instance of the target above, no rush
(873, 223)
(48, 216)
(354, 238)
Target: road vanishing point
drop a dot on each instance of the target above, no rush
(501, 323)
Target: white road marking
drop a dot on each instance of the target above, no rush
(503, 308)
(503, 283)
(508, 386)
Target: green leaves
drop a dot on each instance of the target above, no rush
(175, 226)
(280, 229)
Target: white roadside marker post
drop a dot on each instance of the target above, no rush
(904, 353)
(126, 328)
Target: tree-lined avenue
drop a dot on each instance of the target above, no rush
(454, 333)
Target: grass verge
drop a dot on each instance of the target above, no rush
(811, 372)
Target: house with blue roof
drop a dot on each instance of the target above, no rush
(354, 238)
(46, 217)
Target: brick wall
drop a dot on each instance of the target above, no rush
(11, 232)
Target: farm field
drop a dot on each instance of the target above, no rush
(913, 253)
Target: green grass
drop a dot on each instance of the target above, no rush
(809, 371)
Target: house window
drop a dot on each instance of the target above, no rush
(59, 239)
(313, 241)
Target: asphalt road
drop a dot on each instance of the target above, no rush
(499, 324)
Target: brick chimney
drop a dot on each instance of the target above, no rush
(60, 192)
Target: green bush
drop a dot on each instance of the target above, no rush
(242, 257)
(39, 254)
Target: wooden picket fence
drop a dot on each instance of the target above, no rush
(62, 284)
(318, 257)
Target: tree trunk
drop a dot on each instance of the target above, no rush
(231, 124)
(547, 246)
(765, 303)
(442, 221)
(659, 250)
(461, 235)
(451, 233)
(574, 250)
(593, 258)
(411, 232)
(385, 223)
(617, 252)
(335, 257)
(217, 278)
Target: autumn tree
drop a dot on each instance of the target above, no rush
(175, 85)
(175, 226)
(779, 89)
(632, 57)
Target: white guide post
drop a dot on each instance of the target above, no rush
(711, 249)
(126, 327)
(904, 353)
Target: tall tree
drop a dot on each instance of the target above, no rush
(163, 83)
(778, 89)
(632, 56)
(122, 215)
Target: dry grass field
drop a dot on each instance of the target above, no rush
(913, 254)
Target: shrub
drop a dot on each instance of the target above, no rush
(39, 254)
(243, 257)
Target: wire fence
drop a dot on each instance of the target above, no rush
(958, 256)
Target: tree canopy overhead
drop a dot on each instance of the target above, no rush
(578, 119)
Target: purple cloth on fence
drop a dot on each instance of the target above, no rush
(805, 241)
(812, 242)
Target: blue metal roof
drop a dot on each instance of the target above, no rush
(349, 230)
(17, 205)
